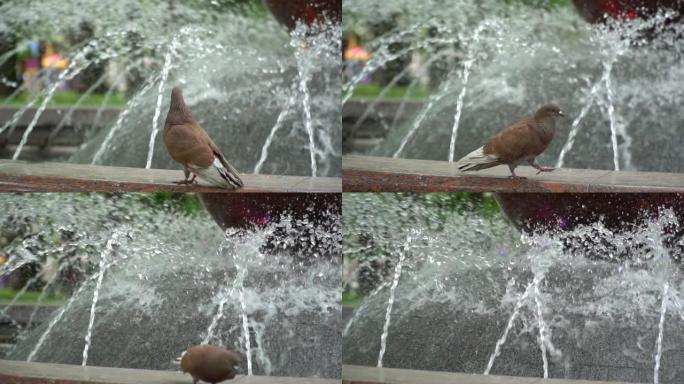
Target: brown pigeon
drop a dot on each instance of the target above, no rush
(210, 363)
(519, 143)
(190, 145)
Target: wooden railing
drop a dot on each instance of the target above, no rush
(354, 374)
(16, 372)
(20, 176)
(379, 174)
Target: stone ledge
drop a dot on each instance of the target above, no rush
(21, 176)
(16, 372)
(355, 374)
(380, 174)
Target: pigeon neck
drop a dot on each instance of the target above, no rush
(545, 127)
(179, 113)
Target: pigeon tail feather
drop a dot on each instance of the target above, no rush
(219, 176)
(476, 160)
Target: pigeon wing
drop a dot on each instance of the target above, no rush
(229, 172)
(515, 143)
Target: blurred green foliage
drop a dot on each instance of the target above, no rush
(549, 4)
(67, 98)
(431, 210)
(445, 204)
(449, 203)
(30, 297)
(351, 297)
(185, 203)
(249, 7)
(370, 29)
(77, 35)
(372, 91)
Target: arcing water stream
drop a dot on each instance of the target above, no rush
(618, 83)
(238, 68)
(145, 281)
(474, 295)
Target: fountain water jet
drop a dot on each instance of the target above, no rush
(661, 327)
(56, 318)
(119, 123)
(533, 55)
(237, 66)
(467, 65)
(108, 251)
(509, 325)
(423, 114)
(542, 327)
(74, 68)
(390, 302)
(591, 292)
(574, 127)
(284, 114)
(167, 287)
(157, 111)
(69, 113)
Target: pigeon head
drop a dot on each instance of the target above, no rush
(551, 110)
(179, 113)
(177, 94)
(234, 359)
(234, 364)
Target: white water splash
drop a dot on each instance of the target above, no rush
(67, 74)
(54, 321)
(382, 56)
(51, 325)
(105, 100)
(17, 115)
(459, 107)
(4, 313)
(284, 114)
(542, 327)
(43, 293)
(264, 361)
(119, 123)
(383, 92)
(245, 330)
(659, 341)
(301, 46)
(509, 326)
(363, 306)
(109, 248)
(443, 91)
(225, 296)
(10, 267)
(574, 128)
(157, 111)
(75, 106)
(390, 302)
(611, 114)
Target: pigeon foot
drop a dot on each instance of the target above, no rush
(185, 182)
(545, 169)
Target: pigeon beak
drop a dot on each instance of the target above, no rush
(561, 114)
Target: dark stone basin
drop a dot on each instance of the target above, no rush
(618, 212)
(232, 210)
(597, 10)
(565, 211)
(288, 13)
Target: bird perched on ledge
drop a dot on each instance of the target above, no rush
(210, 363)
(191, 146)
(519, 143)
